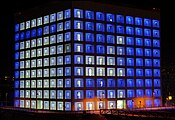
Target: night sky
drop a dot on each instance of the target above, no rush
(7, 27)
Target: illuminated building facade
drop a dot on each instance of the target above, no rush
(80, 57)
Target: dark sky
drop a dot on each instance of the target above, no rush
(7, 27)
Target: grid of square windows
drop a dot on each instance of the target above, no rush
(43, 48)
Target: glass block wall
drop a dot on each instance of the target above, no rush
(79, 59)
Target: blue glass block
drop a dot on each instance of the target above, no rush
(78, 36)
(129, 30)
(130, 61)
(78, 24)
(89, 14)
(157, 102)
(139, 41)
(46, 30)
(39, 32)
(147, 32)
(16, 46)
(101, 83)
(156, 33)
(148, 72)
(156, 62)
(67, 25)
(16, 27)
(156, 23)
(120, 29)
(156, 53)
(148, 103)
(138, 21)
(139, 93)
(110, 17)
(157, 93)
(147, 42)
(120, 18)
(148, 93)
(139, 52)
(111, 83)
(53, 28)
(89, 37)
(16, 55)
(100, 38)
(16, 36)
(129, 20)
(28, 34)
(90, 94)
(139, 62)
(130, 51)
(130, 93)
(90, 82)
(130, 72)
(111, 39)
(78, 82)
(16, 93)
(99, 16)
(148, 82)
(147, 22)
(16, 65)
(110, 28)
(148, 62)
(16, 83)
(130, 83)
(120, 83)
(156, 72)
(138, 31)
(120, 61)
(89, 48)
(80, 96)
(100, 27)
(139, 82)
(157, 83)
(22, 36)
(67, 94)
(78, 59)
(139, 72)
(100, 49)
(67, 13)
(33, 34)
(129, 40)
(156, 43)
(148, 52)
(78, 13)
(16, 74)
(67, 36)
(90, 26)
(130, 103)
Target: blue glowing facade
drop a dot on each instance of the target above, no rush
(83, 58)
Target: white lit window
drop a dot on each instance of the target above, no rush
(78, 48)
(39, 73)
(39, 42)
(46, 40)
(60, 60)
(27, 93)
(39, 21)
(59, 49)
(59, 71)
(21, 64)
(52, 50)
(27, 85)
(52, 72)
(39, 62)
(59, 105)
(110, 60)
(39, 93)
(78, 24)
(100, 71)
(78, 59)
(39, 52)
(46, 83)
(78, 36)
(22, 84)
(53, 61)
(27, 73)
(89, 71)
(28, 54)
(33, 53)
(59, 15)
(46, 105)
(90, 60)
(33, 24)
(33, 43)
(33, 72)
(46, 51)
(27, 24)
(53, 83)
(52, 94)
(120, 40)
(59, 38)
(120, 71)
(46, 72)
(21, 93)
(78, 12)
(52, 39)
(33, 63)
(33, 83)
(22, 55)
(111, 71)
(27, 64)
(110, 50)
(21, 45)
(33, 93)
(27, 103)
(100, 60)
(59, 94)
(22, 26)
(28, 44)
(46, 94)
(46, 19)
(39, 84)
